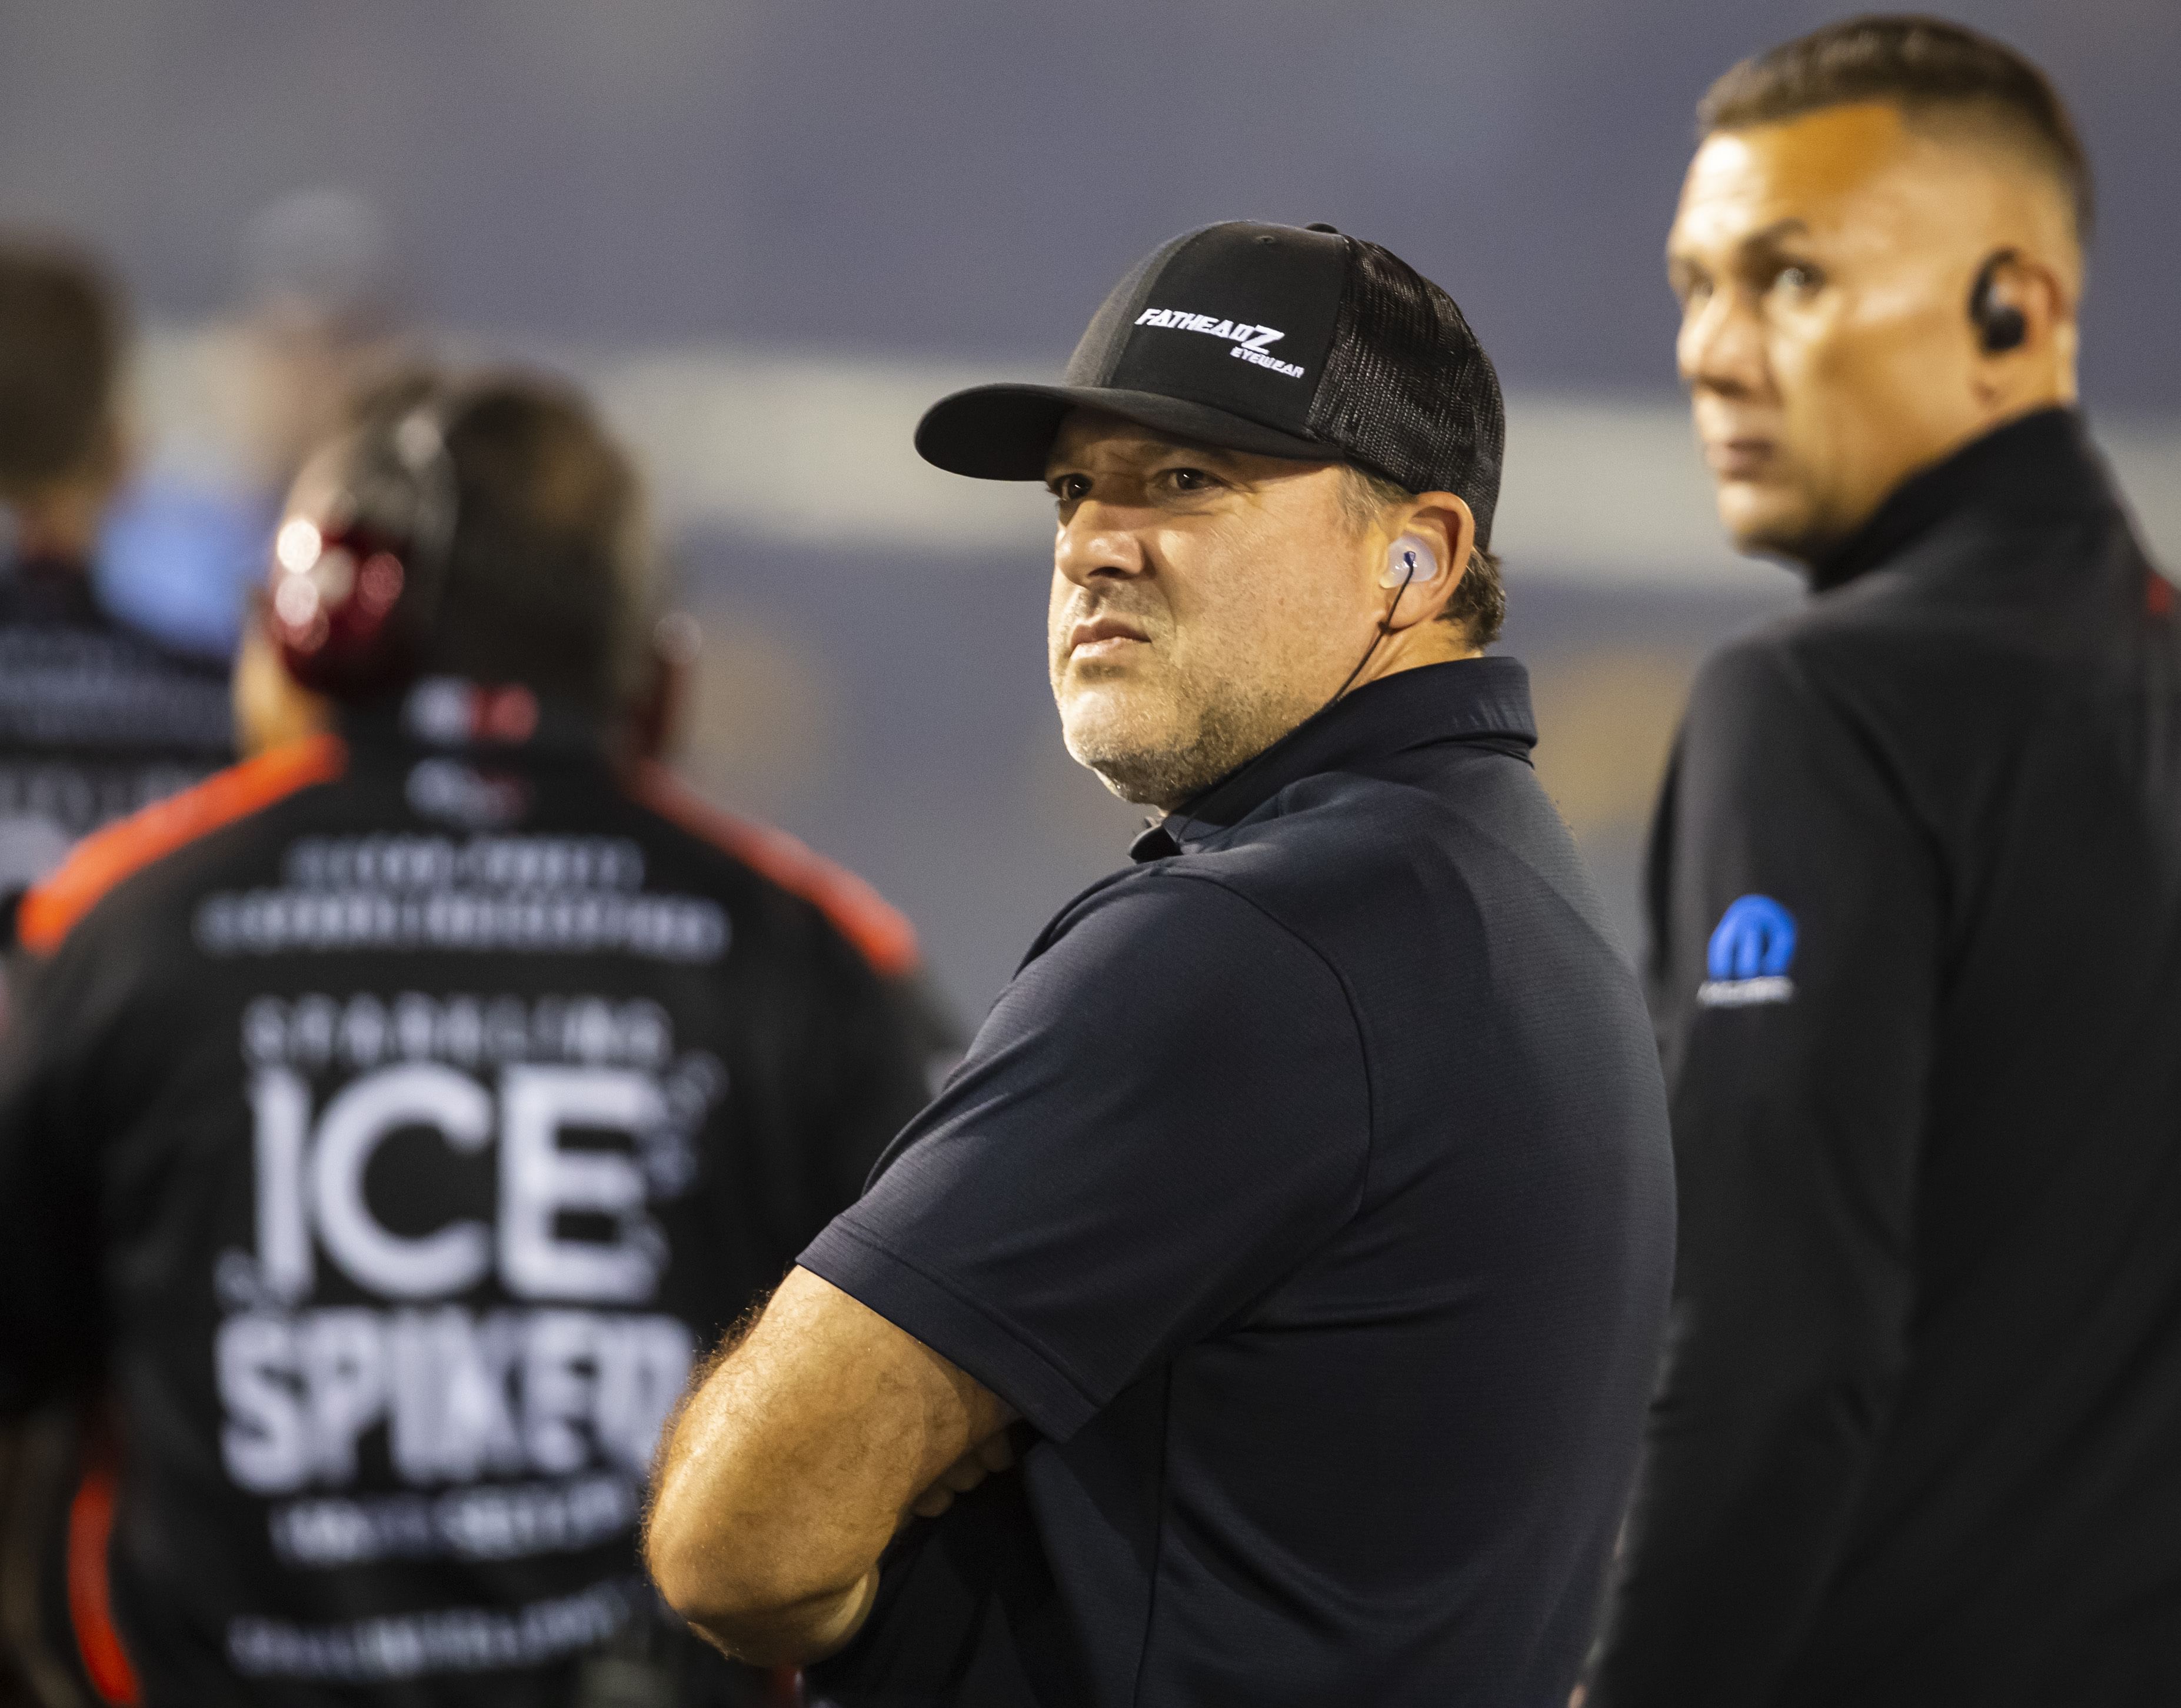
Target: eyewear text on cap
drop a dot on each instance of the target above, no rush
(1251, 342)
(1285, 340)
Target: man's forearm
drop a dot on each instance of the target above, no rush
(741, 1539)
(794, 1462)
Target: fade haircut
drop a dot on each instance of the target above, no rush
(60, 367)
(1932, 70)
(1479, 603)
(547, 575)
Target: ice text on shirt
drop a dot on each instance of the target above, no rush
(507, 1347)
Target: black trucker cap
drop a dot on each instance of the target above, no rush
(1287, 340)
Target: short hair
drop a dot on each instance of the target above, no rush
(547, 577)
(1927, 67)
(61, 340)
(1478, 603)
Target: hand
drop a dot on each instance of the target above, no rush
(995, 1453)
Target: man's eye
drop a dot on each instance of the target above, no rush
(1070, 487)
(1190, 479)
(1798, 278)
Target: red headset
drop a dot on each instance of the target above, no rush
(359, 568)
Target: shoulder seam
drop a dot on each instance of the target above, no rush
(104, 860)
(872, 926)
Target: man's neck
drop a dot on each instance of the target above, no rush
(2040, 458)
(59, 525)
(1815, 551)
(1412, 649)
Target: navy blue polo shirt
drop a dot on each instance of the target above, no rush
(1308, 1193)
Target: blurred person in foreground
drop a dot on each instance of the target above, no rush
(1915, 890)
(1305, 1195)
(95, 719)
(390, 1119)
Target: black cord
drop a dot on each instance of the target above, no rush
(1385, 628)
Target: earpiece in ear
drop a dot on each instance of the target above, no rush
(1408, 560)
(2000, 326)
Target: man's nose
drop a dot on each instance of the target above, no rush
(1097, 540)
(1721, 347)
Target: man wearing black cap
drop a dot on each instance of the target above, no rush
(1301, 1215)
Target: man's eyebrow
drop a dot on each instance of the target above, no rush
(1774, 232)
(1145, 452)
(1757, 242)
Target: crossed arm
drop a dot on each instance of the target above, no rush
(797, 1458)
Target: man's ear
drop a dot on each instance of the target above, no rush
(2023, 291)
(1443, 522)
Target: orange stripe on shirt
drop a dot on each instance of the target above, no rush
(100, 862)
(90, 1594)
(858, 912)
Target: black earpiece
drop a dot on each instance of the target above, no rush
(2000, 325)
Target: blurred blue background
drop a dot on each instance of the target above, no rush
(768, 234)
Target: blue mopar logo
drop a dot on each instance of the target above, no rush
(1754, 943)
(1755, 939)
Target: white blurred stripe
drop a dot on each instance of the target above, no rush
(2146, 456)
(1609, 492)
(809, 450)
(1595, 491)
(813, 449)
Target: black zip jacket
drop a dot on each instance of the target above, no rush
(392, 1120)
(1915, 891)
(96, 721)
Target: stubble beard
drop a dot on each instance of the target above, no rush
(1159, 749)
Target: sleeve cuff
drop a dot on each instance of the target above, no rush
(960, 1330)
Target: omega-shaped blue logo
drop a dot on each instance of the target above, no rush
(1750, 954)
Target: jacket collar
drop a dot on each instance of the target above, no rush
(2039, 464)
(1483, 700)
(479, 720)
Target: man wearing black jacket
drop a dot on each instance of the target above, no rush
(95, 719)
(1915, 889)
(389, 1120)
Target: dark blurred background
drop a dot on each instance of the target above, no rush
(769, 233)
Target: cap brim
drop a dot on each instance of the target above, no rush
(1006, 432)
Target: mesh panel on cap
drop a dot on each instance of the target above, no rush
(1408, 390)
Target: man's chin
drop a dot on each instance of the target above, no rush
(1159, 749)
(1139, 759)
(1766, 522)
(1132, 768)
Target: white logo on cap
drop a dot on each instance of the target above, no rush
(1249, 340)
